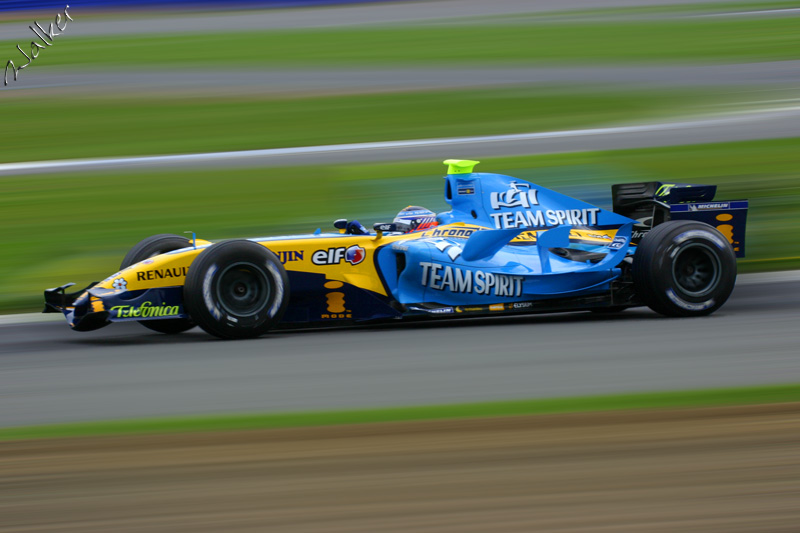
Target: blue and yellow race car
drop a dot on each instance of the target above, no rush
(507, 246)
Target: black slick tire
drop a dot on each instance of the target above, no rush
(150, 247)
(684, 268)
(236, 289)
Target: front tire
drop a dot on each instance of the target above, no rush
(236, 290)
(151, 247)
(684, 268)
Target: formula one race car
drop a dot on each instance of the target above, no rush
(507, 246)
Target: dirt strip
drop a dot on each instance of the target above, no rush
(711, 470)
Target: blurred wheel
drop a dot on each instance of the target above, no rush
(236, 290)
(684, 268)
(151, 247)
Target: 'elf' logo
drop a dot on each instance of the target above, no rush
(333, 256)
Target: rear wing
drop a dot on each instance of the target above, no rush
(653, 203)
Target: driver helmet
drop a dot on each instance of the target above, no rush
(415, 218)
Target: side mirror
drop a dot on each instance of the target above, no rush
(340, 223)
(380, 227)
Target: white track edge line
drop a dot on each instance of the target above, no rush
(308, 150)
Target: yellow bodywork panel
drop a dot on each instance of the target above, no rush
(460, 166)
(462, 230)
(317, 255)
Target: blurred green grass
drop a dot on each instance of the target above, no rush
(763, 395)
(77, 227)
(727, 39)
(129, 125)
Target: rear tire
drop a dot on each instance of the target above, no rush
(236, 290)
(150, 247)
(684, 268)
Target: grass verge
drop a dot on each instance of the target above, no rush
(701, 39)
(656, 400)
(119, 126)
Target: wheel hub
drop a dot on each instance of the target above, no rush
(243, 289)
(696, 270)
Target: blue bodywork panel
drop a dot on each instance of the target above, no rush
(480, 263)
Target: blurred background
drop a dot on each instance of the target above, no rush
(154, 78)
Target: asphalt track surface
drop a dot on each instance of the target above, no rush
(50, 374)
(781, 74)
